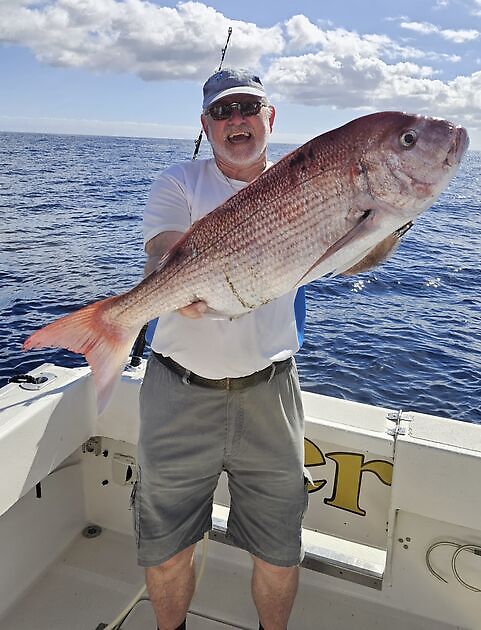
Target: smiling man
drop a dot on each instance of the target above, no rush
(219, 394)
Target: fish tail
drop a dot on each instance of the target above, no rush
(93, 332)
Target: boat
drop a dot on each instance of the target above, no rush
(392, 535)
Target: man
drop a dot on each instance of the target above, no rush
(219, 394)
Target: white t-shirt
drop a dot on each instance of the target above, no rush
(213, 348)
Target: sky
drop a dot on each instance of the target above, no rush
(136, 68)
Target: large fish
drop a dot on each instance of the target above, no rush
(338, 204)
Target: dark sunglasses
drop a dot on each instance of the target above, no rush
(223, 112)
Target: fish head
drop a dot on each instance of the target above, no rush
(407, 160)
(395, 165)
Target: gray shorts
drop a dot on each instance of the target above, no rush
(189, 434)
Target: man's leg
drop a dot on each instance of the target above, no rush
(177, 476)
(171, 587)
(268, 490)
(273, 590)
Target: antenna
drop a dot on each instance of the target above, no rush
(199, 139)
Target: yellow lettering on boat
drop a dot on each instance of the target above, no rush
(313, 457)
(350, 468)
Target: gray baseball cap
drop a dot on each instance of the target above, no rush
(231, 81)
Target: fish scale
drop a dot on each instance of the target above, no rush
(338, 204)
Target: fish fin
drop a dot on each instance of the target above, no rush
(374, 257)
(91, 331)
(330, 251)
(378, 254)
(365, 233)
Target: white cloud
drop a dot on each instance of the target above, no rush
(460, 36)
(426, 28)
(419, 27)
(305, 63)
(304, 36)
(348, 81)
(477, 7)
(134, 36)
(373, 84)
(347, 70)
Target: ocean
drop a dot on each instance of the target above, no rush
(406, 335)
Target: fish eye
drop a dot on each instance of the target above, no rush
(408, 139)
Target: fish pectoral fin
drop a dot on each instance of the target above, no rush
(373, 257)
(354, 234)
(379, 253)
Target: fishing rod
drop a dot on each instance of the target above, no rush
(139, 345)
(199, 139)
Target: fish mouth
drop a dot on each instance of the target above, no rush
(458, 147)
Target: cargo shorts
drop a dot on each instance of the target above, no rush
(189, 434)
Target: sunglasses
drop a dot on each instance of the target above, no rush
(246, 109)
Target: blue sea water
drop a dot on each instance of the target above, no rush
(406, 335)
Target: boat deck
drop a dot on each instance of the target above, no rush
(389, 487)
(94, 579)
(89, 585)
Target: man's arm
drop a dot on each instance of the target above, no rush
(155, 249)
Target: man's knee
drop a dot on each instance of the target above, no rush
(179, 561)
(274, 569)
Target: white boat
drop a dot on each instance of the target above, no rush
(392, 534)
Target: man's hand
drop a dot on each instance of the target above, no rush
(155, 249)
(194, 310)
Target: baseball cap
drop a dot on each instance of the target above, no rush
(231, 81)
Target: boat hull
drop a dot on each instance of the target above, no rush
(388, 488)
